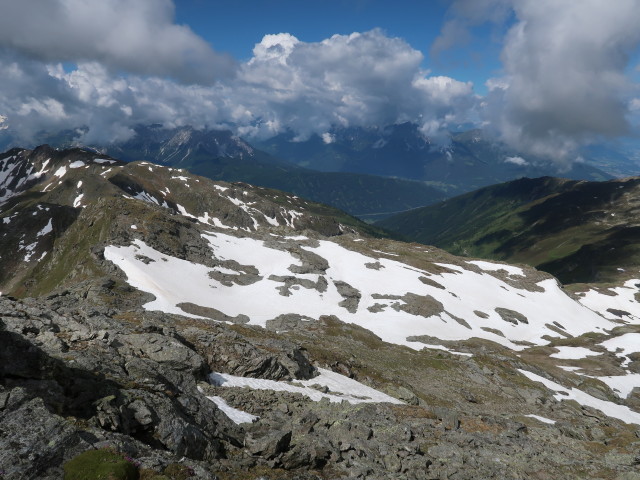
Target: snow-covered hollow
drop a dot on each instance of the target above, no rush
(469, 299)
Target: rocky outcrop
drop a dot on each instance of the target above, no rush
(76, 376)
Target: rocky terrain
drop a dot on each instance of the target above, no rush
(216, 330)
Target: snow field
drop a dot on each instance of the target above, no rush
(173, 281)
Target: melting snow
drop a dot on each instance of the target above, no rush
(216, 222)
(235, 415)
(144, 196)
(76, 164)
(493, 267)
(271, 221)
(611, 409)
(221, 188)
(183, 211)
(30, 250)
(341, 387)
(47, 229)
(78, 200)
(103, 160)
(619, 298)
(573, 353)
(627, 344)
(386, 253)
(61, 172)
(542, 419)
(569, 369)
(623, 384)
(42, 171)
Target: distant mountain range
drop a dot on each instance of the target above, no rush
(371, 173)
(576, 230)
(472, 160)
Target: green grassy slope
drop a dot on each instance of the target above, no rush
(577, 231)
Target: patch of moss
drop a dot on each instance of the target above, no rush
(178, 471)
(146, 474)
(104, 464)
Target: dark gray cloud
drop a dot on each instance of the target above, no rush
(565, 74)
(564, 81)
(134, 36)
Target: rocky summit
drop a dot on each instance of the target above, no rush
(159, 325)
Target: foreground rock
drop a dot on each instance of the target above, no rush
(76, 377)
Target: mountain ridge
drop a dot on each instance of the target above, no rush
(577, 230)
(229, 330)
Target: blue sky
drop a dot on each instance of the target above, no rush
(545, 77)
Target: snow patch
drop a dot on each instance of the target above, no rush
(341, 387)
(619, 299)
(183, 211)
(235, 415)
(76, 164)
(611, 409)
(542, 419)
(573, 353)
(622, 384)
(30, 251)
(494, 267)
(77, 202)
(48, 228)
(381, 293)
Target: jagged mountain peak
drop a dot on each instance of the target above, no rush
(179, 146)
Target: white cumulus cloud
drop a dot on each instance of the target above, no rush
(516, 161)
(136, 36)
(361, 79)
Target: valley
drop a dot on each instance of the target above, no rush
(580, 232)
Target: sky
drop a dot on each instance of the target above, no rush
(545, 77)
